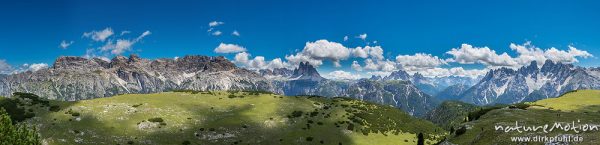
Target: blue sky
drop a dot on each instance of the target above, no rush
(33, 30)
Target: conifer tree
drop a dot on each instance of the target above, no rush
(16, 134)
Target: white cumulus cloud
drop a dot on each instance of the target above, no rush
(64, 44)
(419, 60)
(258, 62)
(467, 54)
(125, 32)
(380, 65)
(528, 53)
(356, 66)
(217, 33)
(316, 52)
(235, 33)
(120, 46)
(229, 48)
(362, 36)
(101, 35)
(342, 75)
(215, 23)
(37, 66)
(368, 51)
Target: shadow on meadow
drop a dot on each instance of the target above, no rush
(231, 125)
(227, 118)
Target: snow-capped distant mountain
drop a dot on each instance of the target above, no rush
(530, 83)
(430, 85)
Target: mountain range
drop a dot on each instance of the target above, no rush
(78, 78)
(531, 83)
(430, 85)
(306, 80)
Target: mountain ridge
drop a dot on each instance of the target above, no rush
(531, 83)
(75, 78)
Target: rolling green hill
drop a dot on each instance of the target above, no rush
(449, 114)
(226, 118)
(577, 101)
(578, 108)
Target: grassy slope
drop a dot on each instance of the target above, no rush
(450, 113)
(253, 119)
(580, 105)
(579, 101)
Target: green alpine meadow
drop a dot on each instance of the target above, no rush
(572, 111)
(190, 117)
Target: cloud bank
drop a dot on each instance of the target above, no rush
(369, 60)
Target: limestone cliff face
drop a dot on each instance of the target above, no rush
(77, 78)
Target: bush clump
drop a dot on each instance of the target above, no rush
(296, 114)
(460, 131)
(137, 105)
(188, 91)
(156, 119)
(476, 114)
(522, 106)
(54, 108)
(309, 138)
(186, 143)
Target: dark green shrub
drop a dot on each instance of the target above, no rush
(16, 134)
(231, 96)
(54, 108)
(350, 127)
(476, 114)
(137, 105)
(519, 106)
(296, 114)
(309, 138)
(186, 142)
(461, 131)
(156, 119)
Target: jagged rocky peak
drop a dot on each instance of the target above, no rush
(376, 77)
(529, 69)
(205, 63)
(284, 72)
(418, 76)
(74, 62)
(551, 66)
(134, 58)
(119, 61)
(306, 71)
(398, 75)
(500, 72)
